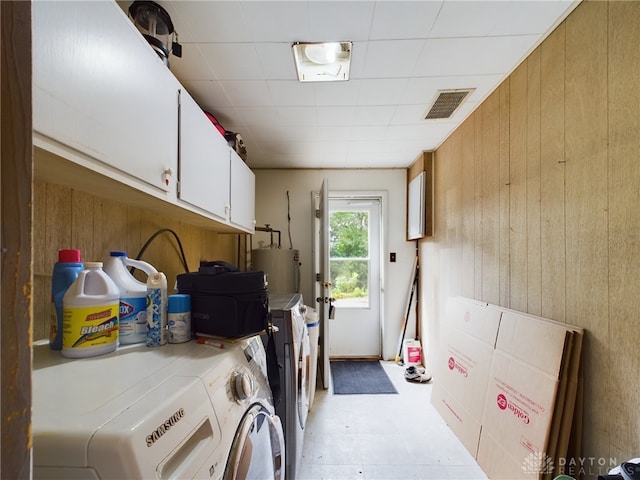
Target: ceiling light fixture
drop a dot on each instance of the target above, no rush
(322, 62)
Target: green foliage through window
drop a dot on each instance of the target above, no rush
(349, 252)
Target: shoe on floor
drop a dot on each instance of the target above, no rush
(417, 374)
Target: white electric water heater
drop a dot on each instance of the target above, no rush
(281, 266)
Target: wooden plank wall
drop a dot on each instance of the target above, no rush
(536, 209)
(67, 218)
(16, 233)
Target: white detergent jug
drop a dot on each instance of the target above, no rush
(133, 296)
(90, 314)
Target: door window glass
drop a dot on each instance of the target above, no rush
(349, 258)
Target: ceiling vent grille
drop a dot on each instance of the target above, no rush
(447, 102)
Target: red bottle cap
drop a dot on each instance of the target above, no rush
(69, 256)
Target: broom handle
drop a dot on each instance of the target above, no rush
(403, 329)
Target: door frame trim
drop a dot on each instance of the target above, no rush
(382, 196)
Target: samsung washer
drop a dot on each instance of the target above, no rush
(292, 347)
(176, 411)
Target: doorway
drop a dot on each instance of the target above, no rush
(354, 250)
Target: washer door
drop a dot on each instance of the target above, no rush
(258, 448)
(303, 377)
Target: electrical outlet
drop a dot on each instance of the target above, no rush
(392, 257)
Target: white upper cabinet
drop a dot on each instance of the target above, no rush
(243, 195)
(119, 123)
(101, 90)
(204, 161)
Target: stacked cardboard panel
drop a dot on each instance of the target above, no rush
(511, 396)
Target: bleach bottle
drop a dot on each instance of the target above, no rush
(90, 314)
(65, 271)
(133, 296)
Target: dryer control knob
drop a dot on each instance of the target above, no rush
(241, 385)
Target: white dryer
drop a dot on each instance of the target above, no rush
(177, 411)
(292, 347)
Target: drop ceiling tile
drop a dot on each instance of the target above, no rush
(403, 20)
(340, 21)
(208, 93)
(409, 114)
(268, 21)
(333, 133)
(496, 18)
(371, 146)
(473, 56)
(361, 133)
(242, 69)
(248, 93)
(374, 115)
(255, 117)
(391, 59)
(224, 21)
(192, 65)
(277, 61)
(337, 116)
(337, 93)
(292, 93)
(382, 91)
(233, 61)
(296, 116)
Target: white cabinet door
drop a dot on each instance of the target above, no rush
(204, 161)
(243, 194)
(100, 89)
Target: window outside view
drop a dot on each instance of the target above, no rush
(349, 258)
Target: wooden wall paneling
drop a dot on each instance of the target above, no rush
(624, 225)
(57, 235)
(534, 261)
(82, 220)
(40, 262)
(552, 166)
(109, 229)
(467, 193)
(504, 181)
(490, 199)
(42, 266)
(477, 204)
(171, 258)
(452, 168)
(57, 213)
(133, 241)
(518, 188)
(153, 254)
(16, 215)
(587, 301)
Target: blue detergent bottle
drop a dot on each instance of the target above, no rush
(65, 271)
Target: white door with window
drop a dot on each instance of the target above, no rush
(354, 264)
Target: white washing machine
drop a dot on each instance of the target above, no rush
(176, 411)
(292, 347)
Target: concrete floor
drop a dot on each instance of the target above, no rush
(382, 437)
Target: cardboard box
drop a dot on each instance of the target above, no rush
(529, 369)
(498, 463)
(538, 343)
(460, 421)
(477, 319)
(461, 372)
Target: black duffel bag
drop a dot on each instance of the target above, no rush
(229, 303)
(226, 302)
